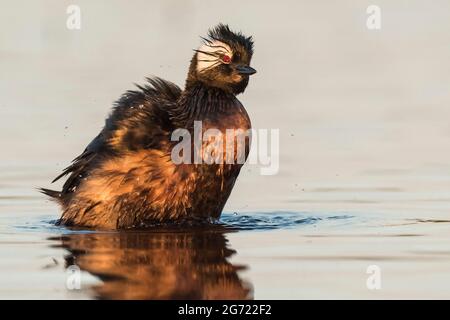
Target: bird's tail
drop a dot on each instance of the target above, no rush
(56, 195)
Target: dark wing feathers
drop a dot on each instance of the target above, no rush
(155, 95)
(162, 89)
(83, 159)
(76, 170)
(51, 193)
(156, 89)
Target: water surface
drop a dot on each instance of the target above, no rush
(364, 173)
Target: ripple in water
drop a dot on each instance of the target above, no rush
(229, 221)
(274, 220)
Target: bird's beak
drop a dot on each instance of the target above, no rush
(245, 70)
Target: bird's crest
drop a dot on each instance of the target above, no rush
(219, 47)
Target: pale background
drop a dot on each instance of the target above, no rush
(363, 115)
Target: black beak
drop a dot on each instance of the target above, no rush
(245, 70)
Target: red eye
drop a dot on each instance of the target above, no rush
(226, 59)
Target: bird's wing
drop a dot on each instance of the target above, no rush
(140, 120)
(77, 170)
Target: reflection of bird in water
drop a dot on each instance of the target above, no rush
(127, 176)
(158, 265)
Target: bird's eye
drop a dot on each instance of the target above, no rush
(226, 59)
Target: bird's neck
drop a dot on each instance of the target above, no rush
(199, 102)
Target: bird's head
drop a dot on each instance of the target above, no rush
(223, 60)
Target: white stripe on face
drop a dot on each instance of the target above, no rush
(205, 61)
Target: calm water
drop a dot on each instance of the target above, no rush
(364, 154)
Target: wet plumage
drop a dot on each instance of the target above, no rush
(126, 177)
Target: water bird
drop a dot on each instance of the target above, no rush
(125, 178)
